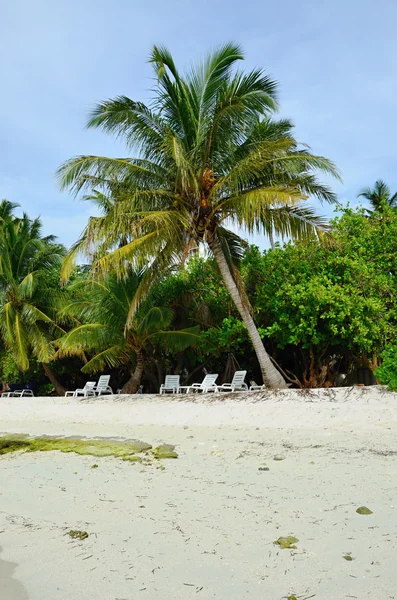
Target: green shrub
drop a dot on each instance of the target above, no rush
(9, 371)
(386, 373)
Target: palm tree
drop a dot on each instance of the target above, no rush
(210, 161)
(7, 210)
(105, 331)
(28, 301)
(379, 197)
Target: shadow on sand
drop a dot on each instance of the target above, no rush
(10, 589)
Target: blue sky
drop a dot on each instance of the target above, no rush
(335, 61)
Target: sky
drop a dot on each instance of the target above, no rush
(335, 62)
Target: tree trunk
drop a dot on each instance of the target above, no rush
(179, 364)
(271, 377)
(159, 372)
(200, 367)
(151, 372)
(271, 240)
(132, 385)
(60, 390)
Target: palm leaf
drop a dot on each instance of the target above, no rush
(177, 341)
(112, 357)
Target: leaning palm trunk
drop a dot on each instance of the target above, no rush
(60, 390)
(271, 377)
(132, 385)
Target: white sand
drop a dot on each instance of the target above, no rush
(205, 526)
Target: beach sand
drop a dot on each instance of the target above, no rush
(205, 526)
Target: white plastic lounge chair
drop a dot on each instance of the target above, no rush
(103, 387)
(170, 385)
(255, 387)
(236, 385)
(18, 394)
(87, 390)
(207, 385)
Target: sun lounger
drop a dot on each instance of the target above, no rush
(103, 387)
(236, 385)
(18, 394)
(207, 385)
(170, 385)
(255, 387)
(87, 390)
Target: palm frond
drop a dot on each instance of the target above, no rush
(233, 246)
(7, 210)
(79, 248)
(154, 319)
(177, 341)
(205, 79)
(28, 284)
(77, 173)
(159, 266)
(19, 342)
(41, 344)
(379, 196)
(112, 357)
(294, 222)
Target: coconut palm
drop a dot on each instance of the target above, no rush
(7, 210)
(28, 301)
(379, 197)
(209, 163)
(105, 332)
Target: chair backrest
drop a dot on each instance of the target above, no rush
(89, 385)
(209, 380)
(103, 382)
(171, 382)
(238, 378)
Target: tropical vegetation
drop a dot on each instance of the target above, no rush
(210, 161)
(29, 295)
(379, 197)
(164, 281)
(325, 308)
(102, 328)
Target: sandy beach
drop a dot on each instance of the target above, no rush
(205, 526)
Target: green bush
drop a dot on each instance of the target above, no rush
(8, 367)
(46, 389)
(386, 373)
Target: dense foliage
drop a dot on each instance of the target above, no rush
(329, 306)
(386, 373)
(104, 329)
(326, 308)
(170, 284)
